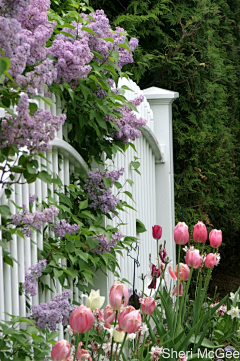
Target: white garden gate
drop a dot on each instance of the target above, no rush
(152, 192)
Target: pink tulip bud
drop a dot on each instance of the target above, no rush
(148, 305)
(200, 232)
(131, 322)
(181, 235)
(98, 314)
(184, 272)
(82, 354)
(157, 232)
(193, 258)
(61, 351)
(180, 292)
(81, 320)
(211, 260)
(118, 295)
(109, 316)
(215, 238)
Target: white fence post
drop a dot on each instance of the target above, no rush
(161, 101)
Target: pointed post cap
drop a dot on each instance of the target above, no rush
(159, 93)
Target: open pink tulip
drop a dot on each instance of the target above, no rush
(193, 258)
(215, 238)
(131, 322)
(118, 295)
(124, 312)
(61, 351)
(184, 272)
(211, 260)
(157, 232)
(181, 235)
(180, 288)
(81, 320)
(200, 232)
(148, 305)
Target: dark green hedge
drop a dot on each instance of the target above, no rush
(192, 46)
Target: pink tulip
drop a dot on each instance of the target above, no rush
(180, 288)
(200, 232)
(109, 316)
(193, 258)
(157, 232)
(81, 320)
(181, 235)
(148, 305)
(215, 238)
(184, 272)
(211, 260)
(131, 322)
(61, 351)
(82, 354)
(124, 312)
(118, 295)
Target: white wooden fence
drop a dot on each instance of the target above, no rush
(152, 192)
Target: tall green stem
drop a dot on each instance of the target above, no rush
(77, 340)
(185, 294)
(115, 321)
(125, 337)
(158, 254)
(100, 348)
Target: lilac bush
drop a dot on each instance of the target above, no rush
(98, 194)
(30, 283)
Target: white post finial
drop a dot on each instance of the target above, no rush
(161, 101)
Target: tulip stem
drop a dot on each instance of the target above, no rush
(122, 346)
(115, 321)
(158, 254)
(177, 301)
(86, 342)
(77, 340)
(100, 348)
(184, 296)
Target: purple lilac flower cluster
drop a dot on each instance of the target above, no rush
(128, 122)
(26, 30)
(51, 313)
(99, 23)
(30, 284)
(34, 132)
(32, 198)
(61, 227)
(35, 219)
(100, 197)
(104, 246)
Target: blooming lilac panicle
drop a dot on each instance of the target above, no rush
(61, 227)
(32, 198)
(30, 284)
(100, 197)
(26, 220)
(128, 122)
(34, 132)
(51, 313)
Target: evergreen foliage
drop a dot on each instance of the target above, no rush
(192, 46)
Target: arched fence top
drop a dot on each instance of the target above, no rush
(69, 152)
